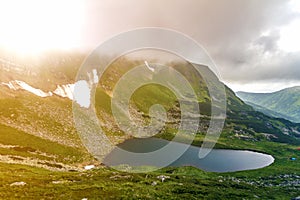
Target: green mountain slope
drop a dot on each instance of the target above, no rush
(266, 111)
(39, 144)
(284, 103)
(51, 117)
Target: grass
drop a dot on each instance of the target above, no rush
(53, 116)
(104, 183)
(31, 143)
(50, 117)
(184, 182)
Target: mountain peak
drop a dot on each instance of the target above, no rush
(294, 88)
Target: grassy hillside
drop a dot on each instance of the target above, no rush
(49, 118)
(242, 119)
(21, 147)
(285, 102)
(39, 144)
(267, 111)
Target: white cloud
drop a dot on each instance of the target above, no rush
(289, 37)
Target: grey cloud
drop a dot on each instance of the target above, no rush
(269, 42)
(228, 29)
(282, 67)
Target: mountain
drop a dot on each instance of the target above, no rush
(284, 103)
(50, 115)
(242, 121)
(42, 156)
(266, 111)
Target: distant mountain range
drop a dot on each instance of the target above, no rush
(282, 104)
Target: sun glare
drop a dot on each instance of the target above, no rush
(33, 26)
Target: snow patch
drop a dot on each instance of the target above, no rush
(93, 77)
(15, 85)
(65, 91)
(33, 90)
(88, 167)
(9, 85)
(148, 66)
(96, 78)
(79, 92)
(81, 96)
(82, 93)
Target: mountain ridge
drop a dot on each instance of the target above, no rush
(50, 118)
(236, 110)
(285, 102)
(290, 88)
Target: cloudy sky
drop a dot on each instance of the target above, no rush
(255, 43)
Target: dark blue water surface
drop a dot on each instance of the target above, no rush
(218, 160)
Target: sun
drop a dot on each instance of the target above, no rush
(33, 26)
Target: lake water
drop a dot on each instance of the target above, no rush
(218, 160)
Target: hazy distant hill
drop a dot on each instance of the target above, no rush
(266, 111)
(284, 103)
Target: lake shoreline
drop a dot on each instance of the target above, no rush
(218, 160)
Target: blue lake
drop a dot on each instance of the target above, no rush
(218, 160)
